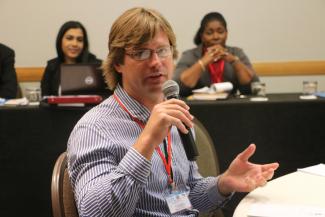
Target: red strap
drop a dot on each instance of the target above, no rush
(216, 71)
(140, 123)
(168, 164)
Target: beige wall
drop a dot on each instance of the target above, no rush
(277, 30)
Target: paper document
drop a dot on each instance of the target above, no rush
(214, 92)
(203, 90)
(203, 96)
(16, 102)
(315, 170)
(280, 210)
(221, 87)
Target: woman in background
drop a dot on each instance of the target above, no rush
(212, 61)
(72, 47)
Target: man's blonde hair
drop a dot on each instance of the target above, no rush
(133, 28)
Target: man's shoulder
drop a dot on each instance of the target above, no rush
(100, 113)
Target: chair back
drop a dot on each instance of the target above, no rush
(63, 203)
(207, 160)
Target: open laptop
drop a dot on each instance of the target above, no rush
(83, 79)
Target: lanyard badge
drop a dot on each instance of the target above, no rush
(177, 200)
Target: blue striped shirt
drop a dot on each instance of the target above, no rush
(110, 178)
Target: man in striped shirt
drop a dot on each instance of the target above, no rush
(125, 156)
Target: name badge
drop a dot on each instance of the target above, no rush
(178, 201)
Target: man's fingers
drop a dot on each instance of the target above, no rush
(174, 112)
(247, 153)
(250, 184)
(272, 166)
(268, 174)
(254, 182)
(179, 124)
(176, 102)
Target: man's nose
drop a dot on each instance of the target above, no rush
(154, 59)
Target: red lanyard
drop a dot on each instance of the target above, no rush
(216, 70)
(167, 163)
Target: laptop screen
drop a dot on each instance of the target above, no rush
(83, 79)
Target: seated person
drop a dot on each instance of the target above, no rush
(125, 156)
(72, 47)
(212, 61)
(8, 77)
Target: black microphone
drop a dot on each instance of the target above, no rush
(171, 90)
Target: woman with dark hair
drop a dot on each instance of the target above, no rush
(72, 47)
(212, 61)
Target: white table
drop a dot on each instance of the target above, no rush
(295, 189)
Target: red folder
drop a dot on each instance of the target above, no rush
(68, 99)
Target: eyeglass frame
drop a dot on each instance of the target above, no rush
(135, 51)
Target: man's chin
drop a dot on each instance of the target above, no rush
(157, 88)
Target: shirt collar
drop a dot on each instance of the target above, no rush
(135, 108)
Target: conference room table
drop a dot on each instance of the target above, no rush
(285, 129)
(295, 194)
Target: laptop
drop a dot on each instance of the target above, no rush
(83, 79)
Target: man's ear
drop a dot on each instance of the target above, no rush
(118, 68)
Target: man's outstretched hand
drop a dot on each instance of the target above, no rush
(243, 176)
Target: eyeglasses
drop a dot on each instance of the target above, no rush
(144, 54)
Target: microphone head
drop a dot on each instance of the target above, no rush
(170, 89)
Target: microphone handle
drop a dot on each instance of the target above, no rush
(187, 139)
(189, 145)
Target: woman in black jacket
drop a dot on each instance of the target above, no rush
(72, 47)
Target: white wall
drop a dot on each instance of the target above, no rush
(277, 30)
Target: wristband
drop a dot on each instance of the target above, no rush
(201, 64)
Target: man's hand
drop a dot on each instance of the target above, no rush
(163, 116)
(243, 176)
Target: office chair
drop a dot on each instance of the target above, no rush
(63, 203)
(207, 160)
